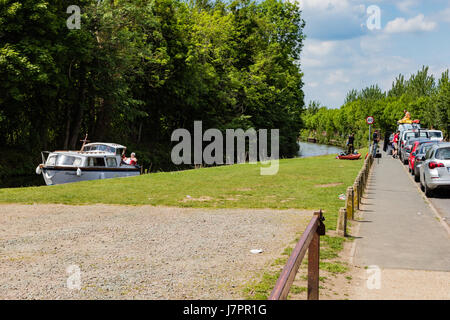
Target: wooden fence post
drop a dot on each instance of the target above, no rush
(355, 196)
(313, 266)
(349, 203)
(342, 222)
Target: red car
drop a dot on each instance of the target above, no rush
(412, 156)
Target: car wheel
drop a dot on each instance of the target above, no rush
(416, 177)
(427, 190)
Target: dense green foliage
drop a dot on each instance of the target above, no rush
(425, 99)
(137, 70)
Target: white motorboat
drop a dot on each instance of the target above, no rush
(94, 161)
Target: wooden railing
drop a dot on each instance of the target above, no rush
(310, 240)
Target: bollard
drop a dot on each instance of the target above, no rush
(342, 223)
(349, 204)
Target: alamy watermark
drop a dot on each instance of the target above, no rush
(374, 17)
(74, 279)
(213, 153)
(74, 20)
(373, 277)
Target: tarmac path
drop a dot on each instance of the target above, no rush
(400, 235)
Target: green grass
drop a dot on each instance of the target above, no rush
(261, 290)
(329, 249)
(300, 183)
(333, 267)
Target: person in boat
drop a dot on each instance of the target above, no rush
(132, 160)
(350, 142)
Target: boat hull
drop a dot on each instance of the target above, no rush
(55, 175)
(350, 157)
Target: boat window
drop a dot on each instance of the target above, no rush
(443, 154)
(111, 162)
(96, 162)
(64, 160)
(119, 151)
(51, 161)
(100, 147)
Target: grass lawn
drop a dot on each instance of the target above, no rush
(308, 183)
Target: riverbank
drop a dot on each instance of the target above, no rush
(308, 183)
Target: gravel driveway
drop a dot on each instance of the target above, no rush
(127, 252)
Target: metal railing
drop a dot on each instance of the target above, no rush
(310, 240)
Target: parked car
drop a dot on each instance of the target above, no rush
(406, 143)
(435, 135)
(407, 149)
(408, 126)
(435, 169)
(415, 159)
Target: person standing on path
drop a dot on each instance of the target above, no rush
(395, 144)
(375, 138)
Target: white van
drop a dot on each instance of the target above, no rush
(435, 135)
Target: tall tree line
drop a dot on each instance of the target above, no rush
(425, 98)
(138, 69)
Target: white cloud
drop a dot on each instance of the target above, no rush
(416, 24)
(337, 76)
(318, 48)
(335, 67)
(406, 5)
(339, 54)
(324, 4)
(333, 19)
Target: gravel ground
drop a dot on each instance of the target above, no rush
(127, 252)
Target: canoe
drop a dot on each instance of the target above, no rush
(350, 156)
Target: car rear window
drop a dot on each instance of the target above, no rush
(425, 147)
(435, 134)
(443, 153)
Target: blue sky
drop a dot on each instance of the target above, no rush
(340, 52)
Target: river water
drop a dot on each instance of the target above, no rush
(308, 149)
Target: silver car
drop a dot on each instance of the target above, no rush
(435, 169)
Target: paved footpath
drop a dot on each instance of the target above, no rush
(401, 235)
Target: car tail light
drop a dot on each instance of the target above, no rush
(433, 165)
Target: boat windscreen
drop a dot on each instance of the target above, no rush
(100, 147)
(65, 160)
